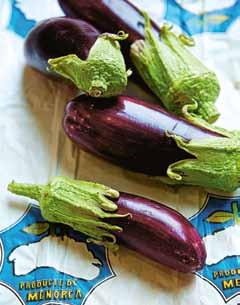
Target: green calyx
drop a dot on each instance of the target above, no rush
(215, 164)
(183, 84)
(84, 206)
(103, 74)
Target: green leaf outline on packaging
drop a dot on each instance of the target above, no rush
(37, 228)
(220, 217)
(223, 216)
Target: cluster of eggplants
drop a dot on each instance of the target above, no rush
(128, 132)
(112, 16)
(62, 36)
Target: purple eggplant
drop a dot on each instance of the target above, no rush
(160, 233)
(145, 138)
(107, 216)
(129, 132)
(62, 36)
(57, 37)
(109, 16)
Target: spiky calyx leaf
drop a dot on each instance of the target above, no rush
(184, 85)
(103, 74)
(82, 205)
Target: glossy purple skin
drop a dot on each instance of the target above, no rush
(58, 37)
(159, 233)
(129, 132)
(109, 16)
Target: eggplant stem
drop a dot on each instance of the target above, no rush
(33, 191)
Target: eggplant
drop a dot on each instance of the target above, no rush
(160, 233)
(56, 37)
(113, 16)
(110, 218)
(110, 16)
(61, 36)
(145, 138)
(129, 132)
